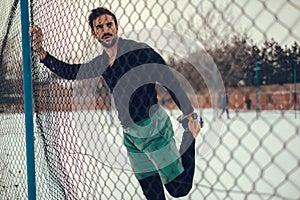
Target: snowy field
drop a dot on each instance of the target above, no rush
(248, 156)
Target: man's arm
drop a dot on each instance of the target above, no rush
(186, 107)
(63, 69)
(181, 99)
(179, 96)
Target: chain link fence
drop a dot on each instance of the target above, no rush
(251, 152)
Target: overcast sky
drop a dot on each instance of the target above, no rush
(260, 19)
(278, 19)
(68, 34)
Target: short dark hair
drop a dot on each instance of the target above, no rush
(98, 12)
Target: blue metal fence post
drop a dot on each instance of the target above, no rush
(257, 85)
(295, 89)
(28, 103)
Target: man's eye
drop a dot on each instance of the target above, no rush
(109, 24)
(99, 26)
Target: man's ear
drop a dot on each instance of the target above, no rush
(93, 33)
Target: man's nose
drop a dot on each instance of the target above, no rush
(105, 28)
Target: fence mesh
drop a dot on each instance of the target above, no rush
(12, 143)
(246, 49)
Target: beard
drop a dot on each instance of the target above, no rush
(110, 44)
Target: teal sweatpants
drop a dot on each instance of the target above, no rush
(152, 149)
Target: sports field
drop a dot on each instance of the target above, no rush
(247, 156)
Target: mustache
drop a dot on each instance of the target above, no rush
(107, 34)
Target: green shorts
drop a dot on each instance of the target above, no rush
(152, 149)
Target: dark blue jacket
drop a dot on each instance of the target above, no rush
(131, 79)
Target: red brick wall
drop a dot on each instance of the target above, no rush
(271, 97)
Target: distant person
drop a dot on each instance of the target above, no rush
(223, 104)
(248, 102)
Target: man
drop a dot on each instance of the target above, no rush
(248, 102)
(130, 69)
(223, 103)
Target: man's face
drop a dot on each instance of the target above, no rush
(105, 30)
